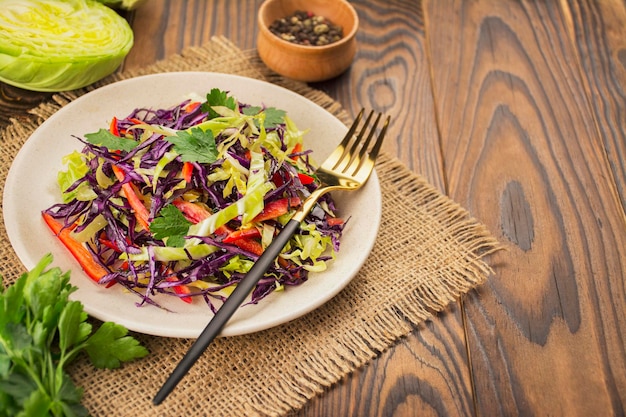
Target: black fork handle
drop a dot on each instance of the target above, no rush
(226, 311)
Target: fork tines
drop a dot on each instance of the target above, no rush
(355, 149)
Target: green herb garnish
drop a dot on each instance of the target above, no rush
(273, 116)
(41, 332)
(195, 145)
(171, 225)
(217, 97)
(113, 143)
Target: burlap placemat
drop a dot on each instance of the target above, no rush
(429, 251)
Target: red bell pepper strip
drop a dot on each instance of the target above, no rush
(192, 106)
(109, 244)
(242, 234)
(187, 171)
(334, 221)
(180, 289)
(93, 269)
(122, 132)
(277, 208)
(244, 239)
(249, 245)
(141, 212)
(193, 212)
(103, 239)
(113, 127)
(305, 179)
(296, 150)
(246, 243)
(278, 179)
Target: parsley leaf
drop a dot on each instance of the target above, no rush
(170, 224)
(251, 110)
(110, 345)
(113, 143)
(73, 328)
(217, 97)
(273, 116)
(195, 145)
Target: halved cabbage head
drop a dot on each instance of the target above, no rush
(57, 45)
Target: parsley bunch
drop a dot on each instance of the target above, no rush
(41, 332)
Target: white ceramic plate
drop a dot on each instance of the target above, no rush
(31, 187)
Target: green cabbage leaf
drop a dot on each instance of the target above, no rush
(58, 45)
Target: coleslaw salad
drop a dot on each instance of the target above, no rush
(181, 201)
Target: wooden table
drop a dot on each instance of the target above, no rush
(516, 110)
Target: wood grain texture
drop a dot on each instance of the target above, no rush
(597, 32)
(523, 152)
(15, 102)
(165, 27)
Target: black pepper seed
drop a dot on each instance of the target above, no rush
(306, 28)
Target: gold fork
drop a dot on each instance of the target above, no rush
(347, 168)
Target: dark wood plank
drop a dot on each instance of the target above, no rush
(163, 28)
(15, 102)
(597, 30)
(523, 152)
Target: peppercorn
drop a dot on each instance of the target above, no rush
(306, 28)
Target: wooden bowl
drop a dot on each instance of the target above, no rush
(303, 62)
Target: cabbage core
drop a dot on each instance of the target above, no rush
(57, 45)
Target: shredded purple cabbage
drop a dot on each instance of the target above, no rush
(122, 234)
